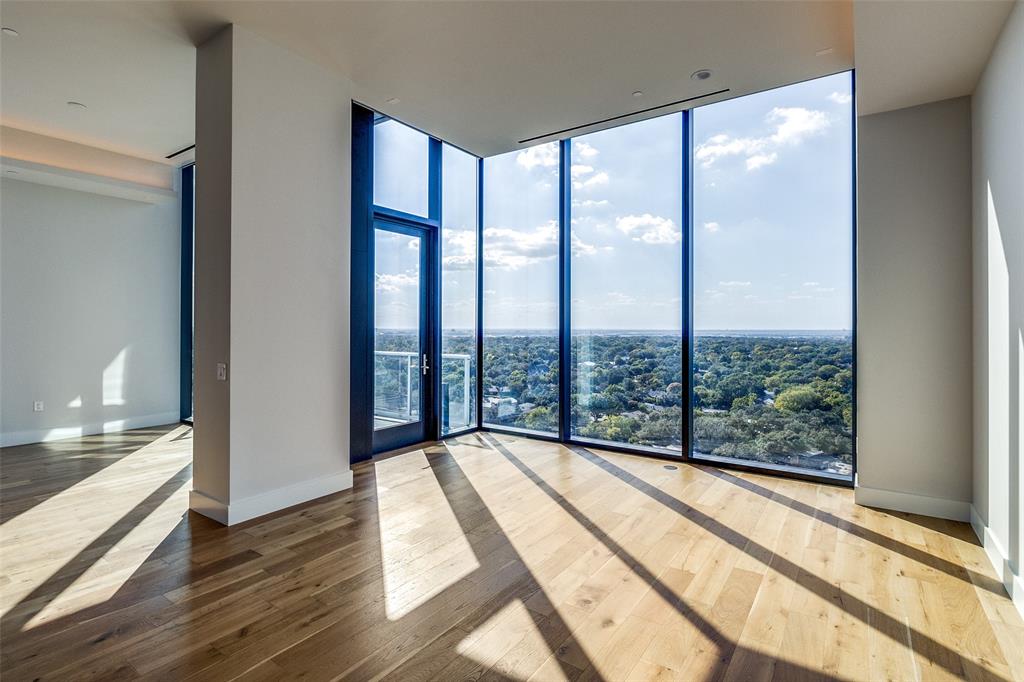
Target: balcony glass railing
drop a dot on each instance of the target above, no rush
(397, 389)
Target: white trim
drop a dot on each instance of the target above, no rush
(913, 504)
(1012, 583)
(43, 174)
(13, 438)
(271, 501)
(208, 506)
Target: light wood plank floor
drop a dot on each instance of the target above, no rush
(488, 557)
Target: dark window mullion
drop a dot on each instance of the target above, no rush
(479, 293)
(432, 410)
(687, 289)
(565, 291)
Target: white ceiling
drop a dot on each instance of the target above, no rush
(136, 77)
(483, 75)
(910, 52)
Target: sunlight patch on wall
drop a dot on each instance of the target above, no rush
(423, 548)
(77, 402)
(998, 313)
(114, 379)
(63, 432)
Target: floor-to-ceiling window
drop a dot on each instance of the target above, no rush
(521, 289)
(401, 384)
(458, 289)
(400, 167)
(626, 285)
(682, 285)
(772, 258)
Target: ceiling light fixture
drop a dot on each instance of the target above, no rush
(13, 172)
(701, 74)
(76, 105)
(822, 53)
(394, 100)
(8, 31)
(638, 93)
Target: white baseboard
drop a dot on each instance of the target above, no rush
(13, 438)
(1012, 583)
(271, 501)
(208, 506)
(913, 504)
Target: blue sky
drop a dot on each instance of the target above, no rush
(773, 205)
(772, 220)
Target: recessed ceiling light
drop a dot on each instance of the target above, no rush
(638, 93)
(7, 31)
(394, 100)
(701, 74)
(822, 53)
(76, 105)
(13, 172)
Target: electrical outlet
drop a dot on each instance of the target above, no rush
(222, 371)
(37, 406)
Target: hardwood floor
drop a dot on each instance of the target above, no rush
(489, 557)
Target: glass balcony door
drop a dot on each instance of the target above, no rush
(402, 364)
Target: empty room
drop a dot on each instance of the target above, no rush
(614, 340)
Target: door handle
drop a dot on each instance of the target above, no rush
(425, 366)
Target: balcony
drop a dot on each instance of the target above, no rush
(397, 385)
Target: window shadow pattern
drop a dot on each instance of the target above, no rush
(346, 631)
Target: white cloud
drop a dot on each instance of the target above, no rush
(841, 97)
(584, 150)
(817, 288)
(799, 297)
(650, 229)
(581, 248)
(579, 169)
(796, 123)
(589, 203)
(459, 249)
(759, 160)
(792, 125)
(712, 226)
(394, 283)
(619, 298)
(510, 249)
(720, 146)
(593, 181)
(734, 284)
(544, 155)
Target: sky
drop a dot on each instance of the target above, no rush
(772, 219)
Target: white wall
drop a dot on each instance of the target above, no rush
(914, 309)
(287, 122)
(211, 341)
(998, 169)
(88, 312)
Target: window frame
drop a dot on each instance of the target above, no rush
(186, 359)
(364, 212)
(364, 216)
